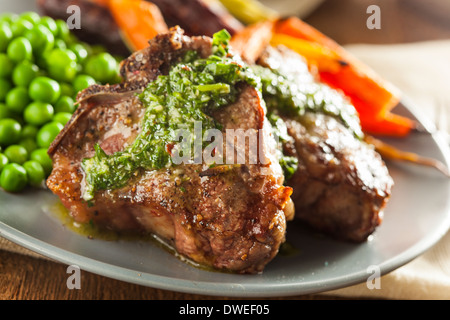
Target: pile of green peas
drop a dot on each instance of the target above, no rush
(42, 68)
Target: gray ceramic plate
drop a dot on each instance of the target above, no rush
(417, 216)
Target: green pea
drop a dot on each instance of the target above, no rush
(38, 113)
(66, 89)
(61, 57)
(41, 39)
(20, 26)
(65, 104)
(102, 67)
(4, 111)
(9, 131)
(5, 86)
(35, 173)
(41, 156)
(80, 51)
(63, 31)
(62, 64)
(62, 117)
(6, 36)
(96, 49)
(8, 17)
(29, 144)
(13, 178)
(50, 24)
(3, 161)
(116, 79)
(60, 44)
(48, 133)
(66, 73)
(44, 89)
(82, 81)
(24, 73)
(6, 66)
(71, 39)
(31, 16)
(20, 49)
(17, 99)
(88, 48)
(29, 131)
(16, 153)
(41, 61)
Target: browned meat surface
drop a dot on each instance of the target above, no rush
(230, 219)
(342, 184)
(145, 65)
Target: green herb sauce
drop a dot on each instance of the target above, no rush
(291, 96)
(285, 95)
(193, 88)
(288, 164)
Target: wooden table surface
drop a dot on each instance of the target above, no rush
(24, 277)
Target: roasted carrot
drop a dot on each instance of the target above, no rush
(139, 21)
(317, 55)
(374, 107)
(391, 124)
(373, 97)
(297, 28)
(391, 153)
(372, 91)
(251, 41)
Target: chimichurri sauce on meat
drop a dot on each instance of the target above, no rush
(193, 88)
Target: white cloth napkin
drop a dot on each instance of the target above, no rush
(422, 72)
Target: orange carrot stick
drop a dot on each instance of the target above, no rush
(321, 57)
(138, 20)
(391, 153)
(297, 28)
(390, 124)
(251, 41)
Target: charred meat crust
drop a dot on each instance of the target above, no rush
(342, 184)
(145, 65)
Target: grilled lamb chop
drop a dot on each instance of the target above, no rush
(341, 185)
(227, 217)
